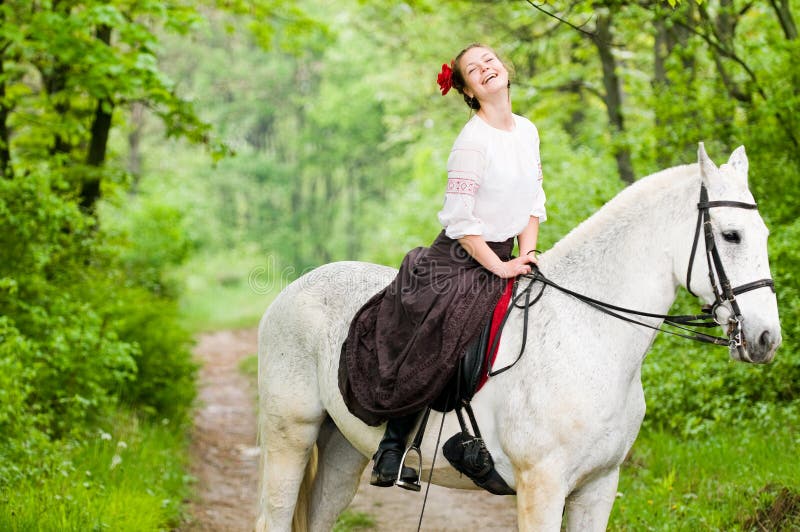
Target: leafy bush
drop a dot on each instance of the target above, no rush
(165, 381)
(81, 329)
(73, 357)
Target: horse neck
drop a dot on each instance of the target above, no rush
(626, 252)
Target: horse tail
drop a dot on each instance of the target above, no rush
(303, 502)
(301, 509)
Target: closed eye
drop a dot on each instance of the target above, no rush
(732, 236)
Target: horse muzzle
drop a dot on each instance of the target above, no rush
(758, 348)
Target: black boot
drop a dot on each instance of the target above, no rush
(390, 452)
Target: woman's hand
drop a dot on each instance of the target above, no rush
(476, 246)
(515, 267)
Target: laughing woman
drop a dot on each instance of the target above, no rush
(405, 342)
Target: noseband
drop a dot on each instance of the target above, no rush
(723, 292)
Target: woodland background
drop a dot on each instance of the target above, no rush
(167, 166)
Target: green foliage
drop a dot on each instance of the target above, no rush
(88, 321)
(89, 57)
(730, 479)
(165, 372)
(354, 521)
(81, 327)
(127, 475)
(73, 360)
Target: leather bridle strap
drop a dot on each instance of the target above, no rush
(763, 283)
(716, 271)
(704, 220)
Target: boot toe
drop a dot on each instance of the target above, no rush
(384, 473)
(409, 474)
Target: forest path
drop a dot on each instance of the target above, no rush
(224, 459)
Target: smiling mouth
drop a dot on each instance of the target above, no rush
(489, 78)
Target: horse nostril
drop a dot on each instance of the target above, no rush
(765, 340)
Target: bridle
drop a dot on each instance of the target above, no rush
(722, 292)
(711, 315)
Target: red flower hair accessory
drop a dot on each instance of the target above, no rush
(445, 78)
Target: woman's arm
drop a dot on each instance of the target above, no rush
(528, 237)
(476, 246)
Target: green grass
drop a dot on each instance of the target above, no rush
(730, 479)
(128, 478)
(226, 290)
(249, 366)
(354, 521)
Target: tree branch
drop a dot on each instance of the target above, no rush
(563, 21)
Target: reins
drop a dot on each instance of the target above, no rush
(723, 293)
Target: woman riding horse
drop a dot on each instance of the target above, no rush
(406, 341)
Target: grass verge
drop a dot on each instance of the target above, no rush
(744, 478)
(130, 477)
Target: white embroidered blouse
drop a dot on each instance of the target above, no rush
(494, 181)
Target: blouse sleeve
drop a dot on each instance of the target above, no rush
(465, 170)
(538, 209)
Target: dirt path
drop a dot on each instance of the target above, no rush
(225, 460)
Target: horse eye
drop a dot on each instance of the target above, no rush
(732, 236)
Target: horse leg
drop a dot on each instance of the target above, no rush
(339, 471)
(540, 500)
(589, 507)
(290, 418)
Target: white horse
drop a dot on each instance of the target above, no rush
(560, 422)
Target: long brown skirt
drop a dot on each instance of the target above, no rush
(405, 343)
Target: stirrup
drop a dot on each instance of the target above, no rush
(413, 485)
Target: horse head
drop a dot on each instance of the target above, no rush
(731, 242)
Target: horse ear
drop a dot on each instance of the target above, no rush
(707, 167)
(739, 162)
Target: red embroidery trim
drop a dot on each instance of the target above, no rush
(457, 185)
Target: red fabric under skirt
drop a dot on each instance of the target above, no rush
(405, 342)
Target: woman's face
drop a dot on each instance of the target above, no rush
(484, 74)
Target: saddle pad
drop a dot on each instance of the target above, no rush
(494, 330)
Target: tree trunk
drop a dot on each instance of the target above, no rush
(613, 94)
(134, 145)
(660, 53)
(55, 81)
(5, 138)
(101, 126)
(785, 17)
